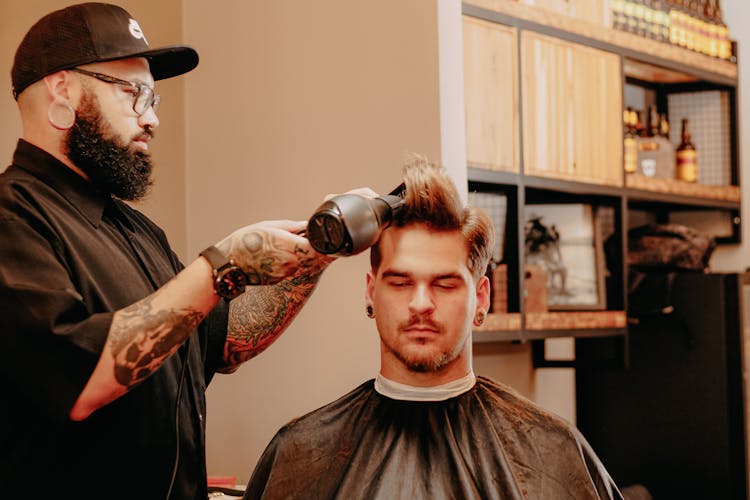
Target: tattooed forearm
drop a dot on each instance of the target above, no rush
(265, 259)
(261, 315)
(143, 338)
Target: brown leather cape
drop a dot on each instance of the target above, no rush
(487, 443)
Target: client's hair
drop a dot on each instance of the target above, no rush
(431, 198)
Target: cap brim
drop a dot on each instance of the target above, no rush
(166, 62)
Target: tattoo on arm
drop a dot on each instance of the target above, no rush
(260, 316)
(264, 259)
(144, 338)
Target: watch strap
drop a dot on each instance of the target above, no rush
(215, 257)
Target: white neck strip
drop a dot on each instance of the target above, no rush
(395, 390)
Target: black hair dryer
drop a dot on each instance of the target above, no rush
(347, 224)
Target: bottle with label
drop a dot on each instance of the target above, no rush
(655, 152)
(709, 12)
(673, 15)
(648, 148)
(661, 20)
(631, 22)
(617, 7)
(630, 151)
(724, 47)
(690, 23)
(678, 23)
(649, 19)
(686, 168)
(639, 11)
(666, 167)
(664, 126)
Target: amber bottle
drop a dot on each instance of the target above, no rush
(686, 168)
(630, 145)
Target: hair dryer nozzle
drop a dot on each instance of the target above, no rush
(349, 223)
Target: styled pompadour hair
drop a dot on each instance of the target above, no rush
(431, 198)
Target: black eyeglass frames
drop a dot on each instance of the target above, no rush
(144, 97)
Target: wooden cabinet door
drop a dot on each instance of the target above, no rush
(572, 101)
(597, 97)
(491, 95)
(548, 120)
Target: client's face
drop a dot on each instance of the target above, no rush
(424, 300)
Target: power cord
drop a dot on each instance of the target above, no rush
(178, 399)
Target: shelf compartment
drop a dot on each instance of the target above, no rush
(500, 322)
(575, 320)
(506, 327)
(676, 187)
(479, 174)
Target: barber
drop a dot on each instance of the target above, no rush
(108, 340)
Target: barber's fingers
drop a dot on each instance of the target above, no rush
(363, 191)
(292, 226)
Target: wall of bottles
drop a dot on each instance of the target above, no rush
(693, 24)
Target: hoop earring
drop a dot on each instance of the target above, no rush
(370, 311)
(479, 318)
(61, 115)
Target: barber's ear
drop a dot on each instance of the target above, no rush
(59, 85)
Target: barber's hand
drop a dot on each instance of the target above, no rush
(271, 251)
(363, 191)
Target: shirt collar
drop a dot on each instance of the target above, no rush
(51, 171)
(396, 390)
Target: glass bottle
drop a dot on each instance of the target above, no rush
(722, 33)
(693, 26)
(664, 126)
(655, 152)
(709, 13)
(617, 8)
(639, 17)
(665, 158)
(686, 167)
(703, 23)
(648, 20)
(661, 13)
(677, 21)
(630, 151)
(667, 161)
(631, 23)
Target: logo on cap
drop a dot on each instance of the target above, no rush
(136, 31)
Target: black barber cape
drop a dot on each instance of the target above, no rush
(486, 443)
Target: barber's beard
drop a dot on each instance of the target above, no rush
(112, 167)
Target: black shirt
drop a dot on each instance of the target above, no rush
(70, 257)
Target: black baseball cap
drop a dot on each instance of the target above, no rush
(87, 33)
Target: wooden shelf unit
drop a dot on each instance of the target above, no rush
(660, 66)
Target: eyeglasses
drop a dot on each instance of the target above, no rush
(144, 96)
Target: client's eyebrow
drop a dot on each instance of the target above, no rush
(396, 274)
(406, 274)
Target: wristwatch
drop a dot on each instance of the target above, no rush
(229, 279)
